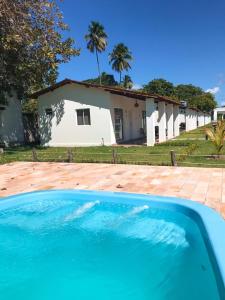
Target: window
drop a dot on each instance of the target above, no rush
(48, 111)
(1, 118)
(156, 105)
(118, 125)
(83, 117)
(157, 132)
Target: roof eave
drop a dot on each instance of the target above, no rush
(118, 91)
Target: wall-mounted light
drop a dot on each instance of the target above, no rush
(136, 104)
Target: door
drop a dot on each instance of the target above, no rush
(1, 122)
(118, 115)
(130, 125)
(143, 121)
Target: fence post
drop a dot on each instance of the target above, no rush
(113, 156)
(70, 155)
(173, 158)
(34, 154)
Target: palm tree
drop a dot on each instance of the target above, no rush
(127, 82)
(119, 58)
(217, 136)
(96, 41)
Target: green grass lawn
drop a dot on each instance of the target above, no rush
(198, 133)
(189, 148)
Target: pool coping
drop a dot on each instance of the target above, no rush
(211, 224)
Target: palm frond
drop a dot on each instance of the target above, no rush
(120, 57)
(217, 136)
(96, 37)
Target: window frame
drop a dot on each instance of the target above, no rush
(1, 118)
(156, 105)
(83, 116)
(48, 111)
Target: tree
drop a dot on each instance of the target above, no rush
(159, 86)
(30, 106)
(195, 96)
(205, 102)
(187, 91)
(127, 82)
(31, 45)
(119, 58)
(96, 41)
(106, 79)
(217, 137)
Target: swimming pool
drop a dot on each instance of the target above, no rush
(101, 245)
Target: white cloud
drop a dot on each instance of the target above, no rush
(136, 86)
(213, 90)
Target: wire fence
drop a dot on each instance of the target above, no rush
(170, 158)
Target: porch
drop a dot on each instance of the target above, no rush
(140, 120)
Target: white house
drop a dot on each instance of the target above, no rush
(219, 113)
(11, 123)
(191, 118)
(73, 113)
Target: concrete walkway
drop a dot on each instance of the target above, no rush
(199, 184)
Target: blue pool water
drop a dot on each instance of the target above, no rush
(72, 247)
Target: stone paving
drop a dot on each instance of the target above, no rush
(199, 184)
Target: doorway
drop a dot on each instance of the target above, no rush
(118, 115)
(143, 123)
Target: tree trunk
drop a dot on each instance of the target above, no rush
(99, 72)
(120, 77)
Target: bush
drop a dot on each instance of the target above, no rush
(188, 151)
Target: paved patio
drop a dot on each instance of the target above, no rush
(199, 184)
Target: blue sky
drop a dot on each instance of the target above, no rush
(182, 41)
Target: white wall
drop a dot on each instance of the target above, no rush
(62, 129)
(188, 119)
(162, 121)
(207, 119)
(176, 120)
(201, 119)
(170, 121)
(182, 116)
(191, 119)
(191, 116)
(217, 111)
(11, 123)
(151, 121)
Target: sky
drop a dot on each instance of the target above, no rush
(182, 41)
